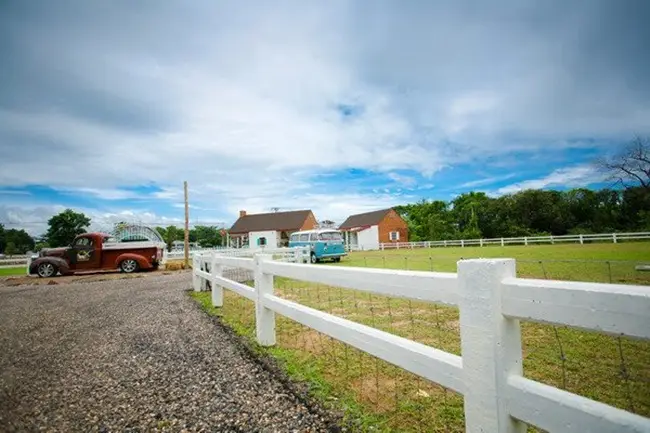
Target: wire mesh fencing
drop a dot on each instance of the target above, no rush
(610, 369)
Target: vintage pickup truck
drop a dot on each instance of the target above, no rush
(96, 251)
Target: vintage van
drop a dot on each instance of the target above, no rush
(322, 243)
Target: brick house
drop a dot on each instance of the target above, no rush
(269, 229)
(367, 230)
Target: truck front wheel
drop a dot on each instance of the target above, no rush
(46, 270)
(128, 266)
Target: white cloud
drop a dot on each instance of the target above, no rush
(239, 100)
(486, 181)
(577, 176)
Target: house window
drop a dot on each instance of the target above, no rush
(261, 241)
(394, 236)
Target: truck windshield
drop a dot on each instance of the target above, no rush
(330, 236)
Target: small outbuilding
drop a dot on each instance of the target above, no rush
(366, 231)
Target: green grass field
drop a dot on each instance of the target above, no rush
(18, 270)
(608, 369)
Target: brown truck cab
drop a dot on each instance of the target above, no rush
(96, 251)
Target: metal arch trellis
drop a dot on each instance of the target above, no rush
(136, 232)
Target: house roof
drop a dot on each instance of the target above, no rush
(364, 219)
(280, 221)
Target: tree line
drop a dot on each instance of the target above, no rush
(542, 212)
(475, 215)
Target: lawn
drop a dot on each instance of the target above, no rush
(608, 369)
(18, 270)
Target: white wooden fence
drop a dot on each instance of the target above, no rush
(526, 240)
(498, 398)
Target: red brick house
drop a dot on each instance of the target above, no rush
(367, 230)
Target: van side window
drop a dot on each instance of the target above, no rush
(304, 237)
(294, 238)
(313, 237)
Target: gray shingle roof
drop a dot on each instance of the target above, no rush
(364, 219)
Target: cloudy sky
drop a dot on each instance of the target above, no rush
(338, 106)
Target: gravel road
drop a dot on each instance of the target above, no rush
(131, 355)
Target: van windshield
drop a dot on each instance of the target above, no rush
(330, 236)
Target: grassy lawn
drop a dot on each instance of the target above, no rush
(18, 270)
(590, 262)
(608, 369)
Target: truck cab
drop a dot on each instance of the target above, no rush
(96, 251)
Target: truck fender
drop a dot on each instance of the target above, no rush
(142, 261)
(60, 263)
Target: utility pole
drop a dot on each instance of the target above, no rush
(187, 228)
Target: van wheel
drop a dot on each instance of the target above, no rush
(46, 270)
(313, 258)
(128, 266)
(337, 259)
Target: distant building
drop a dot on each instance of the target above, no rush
(269, 229)
(366, 231)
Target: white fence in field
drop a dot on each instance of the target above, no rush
(492, 301)
(526, 240)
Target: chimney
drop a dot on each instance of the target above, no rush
(242, 213)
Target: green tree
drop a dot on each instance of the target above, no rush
(11, 249)
(64, 227)
(207, 236)
(20, 239)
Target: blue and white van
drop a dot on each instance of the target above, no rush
(322, 243)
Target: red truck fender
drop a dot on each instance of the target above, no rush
(60, 264)
(143, 263)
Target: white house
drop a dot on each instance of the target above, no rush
(269, 229)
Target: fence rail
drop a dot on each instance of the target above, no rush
(525, 240)
(498, 398)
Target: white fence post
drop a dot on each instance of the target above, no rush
(264, 317)
(204, 267)
(462, 243)
(490, 344)
(481, 241)
(582, 241)
(216, 269)
(525, 241)
(502, 243)
(614, 237)
(445, 243)
(196, 280)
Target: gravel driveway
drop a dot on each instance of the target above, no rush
(131, 355)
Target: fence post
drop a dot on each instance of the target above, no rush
(204, 267)
(462, 243)
(502, 244)
(614, 237)
(445, 242)
(552, 241)
(196, 280)
(582, 241)
(481, 241)
(216, 270)
(525, 241)
(490, 344)
(264, 317)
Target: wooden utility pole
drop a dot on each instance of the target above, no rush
(187, 228)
